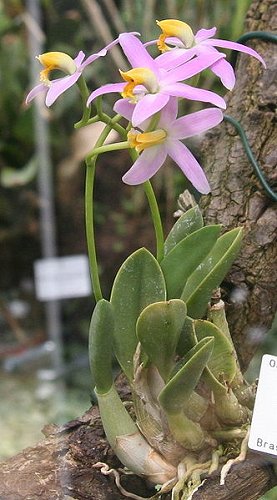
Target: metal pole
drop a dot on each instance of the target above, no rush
(45, 181)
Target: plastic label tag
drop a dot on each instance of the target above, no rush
(263, 432)
(62, 277)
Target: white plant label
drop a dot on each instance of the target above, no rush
(62, 277)
(263, 432)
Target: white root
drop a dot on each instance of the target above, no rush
(240, 458)
(106, 471)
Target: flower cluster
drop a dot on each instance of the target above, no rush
(150, 92)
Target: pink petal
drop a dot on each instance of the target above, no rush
(196, 123)
(191, 68)
(93, 57)
(189, 165)
(79, 58)
(148, 106)
(168, 114)
(226, 44)
(174, 57)
(221, 68)
(106, 89)
(59, 86)
(203, 34)
(147, 164)
(38, 89)
(194, 94)
(225, 72)
(136, 53)
(104, 51)
(125, 108)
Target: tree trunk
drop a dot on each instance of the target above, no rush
(61, 466)
(237, 197)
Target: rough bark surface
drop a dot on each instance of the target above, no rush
(61, 466)
(237, 197)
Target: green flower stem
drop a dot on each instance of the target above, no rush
(99, 105)
(81, 123)
(154, 122)
(109, 147)
(84, 94)
(155, 213)
(114, 123)
(89, 214)
(156, 218)
(90, 175)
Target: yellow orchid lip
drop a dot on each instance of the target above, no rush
(178, 29)
(143, 140)
(55, 60)
(138, 76)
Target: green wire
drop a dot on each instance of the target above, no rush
(251, 157)
(267, 37)
(261, 35)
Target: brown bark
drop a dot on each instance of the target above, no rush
(237, 198)
(61, 467)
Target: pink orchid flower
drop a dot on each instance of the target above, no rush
(73, 67)
(150, 87)
(165, 140)
(187, 45)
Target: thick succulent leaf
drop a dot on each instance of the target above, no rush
(187, 337)
(177, 391)
(222, 362)
(158, 329)
(100, 345)
(185, 257)
(114, 415)
(189, 222)
(129, 445)
(139, 282)
(210, 273)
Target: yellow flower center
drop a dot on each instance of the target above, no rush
(141, 141)
(55, 60)
(139, 76)
(178, 29)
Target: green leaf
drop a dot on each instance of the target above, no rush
(210, 273)
(187, 337)
(185, 225)
(222, 361)
(158, 329)
(100, 345)
(139, 282)
(184, 258)
(114, 415)
(177, 391)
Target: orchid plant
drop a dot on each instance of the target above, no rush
(191, 406)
